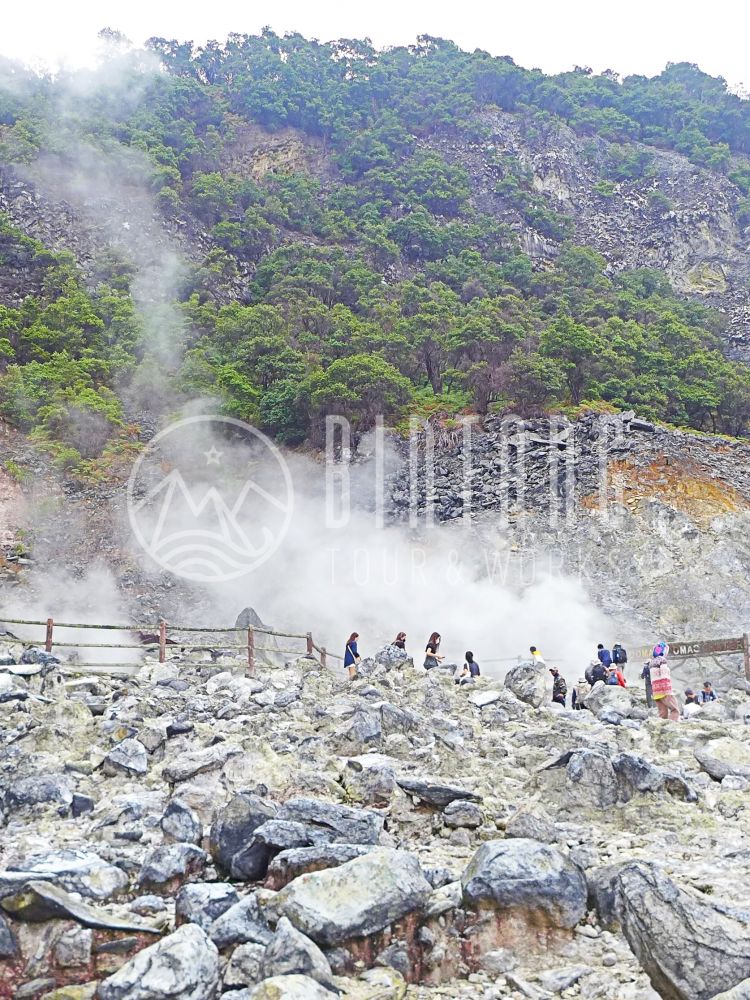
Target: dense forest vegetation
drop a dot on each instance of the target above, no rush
(374, 286)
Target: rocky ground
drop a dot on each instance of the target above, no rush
(193, 832)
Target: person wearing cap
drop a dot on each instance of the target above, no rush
(691, 706)
(708, 693)
(580, 691)
(559, 686)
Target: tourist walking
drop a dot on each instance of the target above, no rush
(351, 655)
(661, 687)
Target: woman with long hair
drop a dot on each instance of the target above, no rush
(400, 641)
(432, 657)
(351, 655)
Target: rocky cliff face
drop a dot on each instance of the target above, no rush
(680, 219)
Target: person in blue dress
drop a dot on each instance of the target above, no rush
(351, 655)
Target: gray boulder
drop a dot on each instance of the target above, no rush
(290, 952)
(724, 756)
(739, 992)
(435, 793)
(527, 876)
(40, 790)
(332, 822)
(128, 757)
(528, 682)
(608, 699)
(460, 813)
(243, 968)
(290, 988)
(40, 901)
(356, 899)
(76, 871)
(240, 924)
(287, 865)
(8, 943)
(531, 824)
(172, 861)
(202, 902)
(690, 947)
(185, 964)
(198, 761)
(181, 823)
(232, 832)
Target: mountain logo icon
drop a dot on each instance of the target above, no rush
(193, 508)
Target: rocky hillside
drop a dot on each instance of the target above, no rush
(193, 831)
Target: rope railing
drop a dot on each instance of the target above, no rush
(162, 628)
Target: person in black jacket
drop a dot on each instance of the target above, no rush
(559, 686)
(619, 656)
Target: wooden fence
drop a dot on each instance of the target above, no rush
(156, 638)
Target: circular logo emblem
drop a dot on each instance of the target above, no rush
(210, 498)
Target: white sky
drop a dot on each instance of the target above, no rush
(635, 36)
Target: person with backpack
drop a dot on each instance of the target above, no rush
(615, 677)
(661, 686)
(619, 656)
(603, 655)
(559, 687)
(351, 655)
(596, 672)
(578, 696)
(432, 657)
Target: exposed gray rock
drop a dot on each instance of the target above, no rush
(335, 823)
(531, 824)
(128, 757)
(41, 901)
(724, 756)
(197, 761)
(434, 793)
(240, 924)
(202, 902)
(609, 699)
(460, 813)
(287, 865)
(356, 899)
(690, 946)
(76, 871)
(290, 952)
(181, 823)
(173, 861)
(42, 789)
(739, 992)
(8, 943)
(232, 831)
(526, 876)
(290, 988)
(185, 964)
(244, 966)
(528, 682)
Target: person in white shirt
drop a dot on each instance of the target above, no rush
(691, 706)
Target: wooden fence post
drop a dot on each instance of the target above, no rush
(746, 653)
(162, 641)
(251, 651)
(322, 656)
(309, 644)
(48, 637)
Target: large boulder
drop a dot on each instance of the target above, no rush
(329, 822)
(40, 790)
(242, 923)
(290, 952)
(288, 865)
(739, 992)
(528, 682)
(608, 699)
(232, 832)
(524, 875)
(724, 756)
(290, 988)
(690, 947)
(185, 964)
(76, 871)
(435, 793)
(356, 899)
(202, 902)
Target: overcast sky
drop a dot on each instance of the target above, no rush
(638, 36)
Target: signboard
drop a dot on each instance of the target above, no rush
(701, 647)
